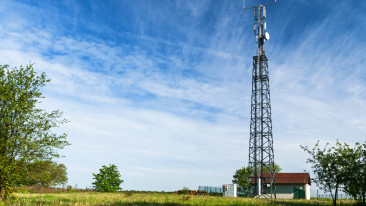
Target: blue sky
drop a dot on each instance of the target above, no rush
(162, 88)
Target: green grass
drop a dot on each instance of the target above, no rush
(149, 199)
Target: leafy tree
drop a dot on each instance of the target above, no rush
(331, 165)
(355, 181)
(108, 179)
(45, 173)
(25, 130)
(242, 175)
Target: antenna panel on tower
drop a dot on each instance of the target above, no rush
(254, 3)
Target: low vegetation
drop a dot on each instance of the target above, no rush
(147, 198)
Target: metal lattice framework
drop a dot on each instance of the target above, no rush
(261, 157)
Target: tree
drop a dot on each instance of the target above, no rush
(25, 130)
(355, 181)
(108, 179)
(242, 175)
(331, 166)
(45, 173)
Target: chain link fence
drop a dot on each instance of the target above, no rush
(321, 194)
(214, 191)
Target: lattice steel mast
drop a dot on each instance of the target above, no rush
(261, 157)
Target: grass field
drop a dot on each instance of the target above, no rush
(128, 198)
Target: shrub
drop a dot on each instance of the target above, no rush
(185, 191)
(108, 179)
(69, 188)
(128, 194)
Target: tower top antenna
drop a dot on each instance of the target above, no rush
(259, 4)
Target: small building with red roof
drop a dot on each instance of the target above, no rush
(292, 185)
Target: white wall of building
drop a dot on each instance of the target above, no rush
(307, 191)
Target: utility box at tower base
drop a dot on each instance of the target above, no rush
(230, 190)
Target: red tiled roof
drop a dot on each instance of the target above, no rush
(290, 178)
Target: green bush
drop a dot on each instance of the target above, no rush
(69, 188)
(185, 191)
(108, 179)
(128, 194)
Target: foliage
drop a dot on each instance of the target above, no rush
(241, 177)
(69, 188)
(108, 179)
(128, 194)
(47, 190)
(184, 191)
(325, 164)
(338, 166)
(355, 181)
(45, 173)
(25, 130)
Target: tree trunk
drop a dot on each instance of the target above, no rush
(363, 197)
(335, 196)
(331, 194)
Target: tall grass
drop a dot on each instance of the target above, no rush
(148, 199)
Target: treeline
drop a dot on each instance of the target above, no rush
(42, 173)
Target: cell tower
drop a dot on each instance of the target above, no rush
(261, 157)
